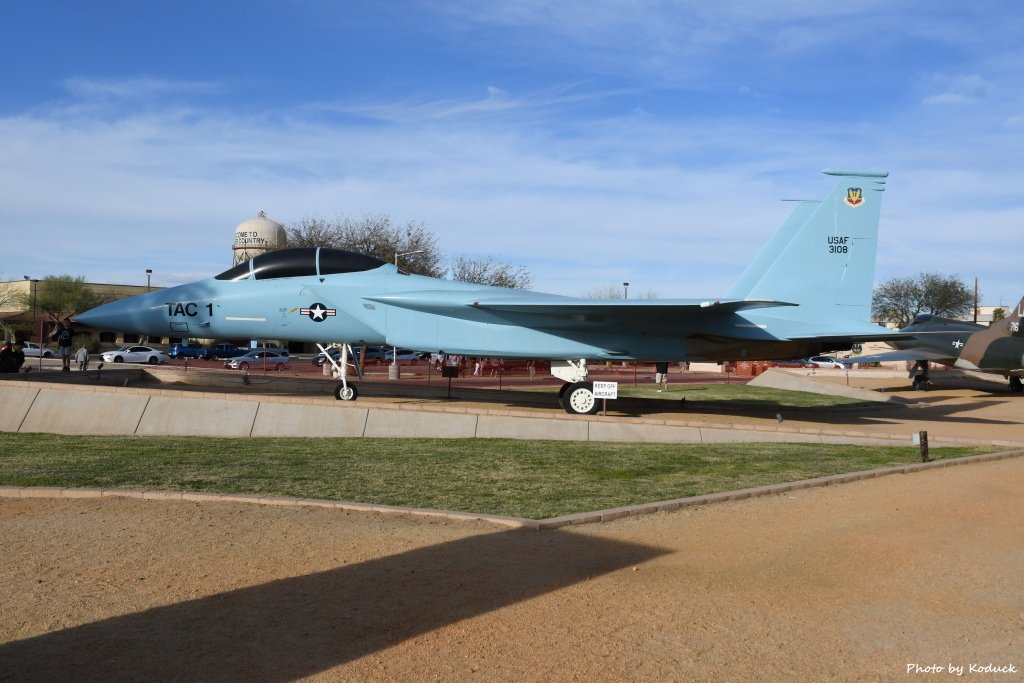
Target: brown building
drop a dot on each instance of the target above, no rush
(19, 321)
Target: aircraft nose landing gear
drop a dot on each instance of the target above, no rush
(343, 391)
(346, 392)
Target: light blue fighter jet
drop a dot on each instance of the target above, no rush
(808, 291)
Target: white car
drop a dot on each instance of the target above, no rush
(827, 362)
(134, 354)
(33, 350)
(258, 359)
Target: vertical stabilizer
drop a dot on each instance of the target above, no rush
(823, 257)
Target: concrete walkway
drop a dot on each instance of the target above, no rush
(151, 410)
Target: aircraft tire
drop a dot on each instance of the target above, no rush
(561, 390)
(579, 399)
(343, 393)
(1016, 385)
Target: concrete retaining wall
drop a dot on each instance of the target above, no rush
(81, 409)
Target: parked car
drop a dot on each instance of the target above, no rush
(270, 346)
(319, 359)
(827, 362)
(187, 350)
(798, 363)
(258, 359)
(385, 354)
(225, 350)
(31, 349)
(134, 354)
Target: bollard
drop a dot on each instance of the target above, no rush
(923, 440)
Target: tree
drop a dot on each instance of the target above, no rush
(416, 246)
(614, 291)
(59, 296)
(10, 301)
(489, 271)
(900, 299)
(373, 235)
(998, 314)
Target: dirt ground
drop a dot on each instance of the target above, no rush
(852, 582)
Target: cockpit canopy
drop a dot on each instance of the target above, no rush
(299, 262)
(921, 318)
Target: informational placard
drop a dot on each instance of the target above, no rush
(606, 389)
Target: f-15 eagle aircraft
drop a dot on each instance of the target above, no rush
(808, 291)
(997, 349)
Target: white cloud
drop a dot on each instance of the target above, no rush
(961, 90)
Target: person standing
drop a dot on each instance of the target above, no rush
(83, 359)
(661, 375)
(18, 357)
(65, 338)
(531, 365)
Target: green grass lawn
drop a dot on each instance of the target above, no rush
(725, 396)
(533, 479)
(739, 395)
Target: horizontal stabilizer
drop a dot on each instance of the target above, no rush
(904, 355)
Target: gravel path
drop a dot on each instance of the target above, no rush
(851, 582)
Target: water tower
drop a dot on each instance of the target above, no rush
(257, 236)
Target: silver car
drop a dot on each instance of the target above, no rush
(258, 359)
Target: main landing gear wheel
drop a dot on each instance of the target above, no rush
(346, 393)
(1016, 385)
(561, 390)
(578, 399)
(921, 383)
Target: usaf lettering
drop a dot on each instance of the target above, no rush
(837, 244)
(188, 308)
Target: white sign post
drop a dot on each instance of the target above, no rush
(605, 391)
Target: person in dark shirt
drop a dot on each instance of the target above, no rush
(661, 375)
(65, 338)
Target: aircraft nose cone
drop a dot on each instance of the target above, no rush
(140, 314)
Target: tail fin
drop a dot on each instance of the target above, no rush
(999, 347)
(823, 256)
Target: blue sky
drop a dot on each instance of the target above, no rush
(592, 142)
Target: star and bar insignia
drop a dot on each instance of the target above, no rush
(318, 312)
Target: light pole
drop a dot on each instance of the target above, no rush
(34, 284)
(149, 273)
(625, 290)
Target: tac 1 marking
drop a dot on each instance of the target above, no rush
(188, 309)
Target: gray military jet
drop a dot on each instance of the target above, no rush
(997, 349)
(807, 292)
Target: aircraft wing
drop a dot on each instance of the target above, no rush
(446, 302)
(552, 312)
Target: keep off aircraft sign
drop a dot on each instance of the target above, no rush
(606, 389)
